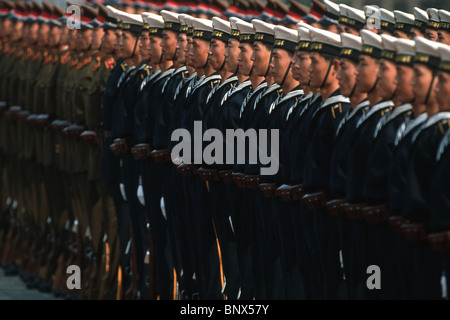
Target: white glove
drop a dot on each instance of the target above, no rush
(140, 195)
(163, 208)
(122, 191)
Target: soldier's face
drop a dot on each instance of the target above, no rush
(404, 88)
(187, 48)
(144, 46)
(5, 27)
(366, 73)
(169, 45)
(181, 45)
(279, 64)
(346, 76)
(43, 35)
(97, 38)
(244, 62)
(387, 82)
(216, 53)
(73, 38)
(260, 58)
(108, 41)
(17, 31)
(54, 36)
(33, 32)
(84, 39)
(64, 35)
(155, 49)
(415, 33)
(198, 53)
(442, 91)
(231, 54)
(317, 69)
(444, 37)
(421, 82)
(126, 44)
(117, 47)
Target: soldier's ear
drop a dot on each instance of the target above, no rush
(336, 64)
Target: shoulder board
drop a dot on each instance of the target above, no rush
(29, 53)
(123, 65)
(36, 55)
(109, 63)
(73, 63)
(84, 62)
(19, 53)
(65, 57)
(47, 58)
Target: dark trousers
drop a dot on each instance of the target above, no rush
(152, 183)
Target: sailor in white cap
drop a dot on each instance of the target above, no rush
(131, 26)
(325, 51)
(444, 27)
(232, 50)
(206, 268)
(404, 22)
(330, 19)
(219, 41)
(427, 275)
(420, 22)
(439, 200)
(387, 86)
(170, 35)
(351, 19)
(387, 22)
(432, 26)
(349, 58)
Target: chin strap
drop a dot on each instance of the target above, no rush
(135, 45)
(251, 71)
(268, 66)
(326, 75)
(373, 87)
(353, 91)
(431, 86)
(285, 74)
(222, 66)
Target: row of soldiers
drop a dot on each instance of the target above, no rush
(358, 97)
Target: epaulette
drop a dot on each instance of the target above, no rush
(109, 63)
(123, 65)
(65, 57)
(73, 63)
(47, 57)
(84, 62)
(443, 125)
(336, 108)
(98, 63)
(36, 55)
(19, 53)
(55, 58)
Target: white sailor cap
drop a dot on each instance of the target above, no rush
(285, 38)
(221, 29)
(405, 50)
(387, 20)
(171, 21)
(444, 20)
(444, 55)
(326, 42)
(420, 19)
(372, 44)
(353, 18)
(234, 28)
(183, 17)
(131, 22)
(304, 37)
(403, 21)
(433, 18)
(427, 52)
(388, 43)
(114, 13)
(203, 29)
(264, 31)
(351, 46)
(331, 15)
(154, 23)
(246, 31)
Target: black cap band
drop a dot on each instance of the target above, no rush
(325, 48)
(350, 53)
(246, 38)
(172, 26)
(428, 60)
(374, 52)
(304, 46)
(265, 37)
(285, 44)
(202, 34)
(403, 59)
(131, 27)
(220, 35)
(388, 55)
